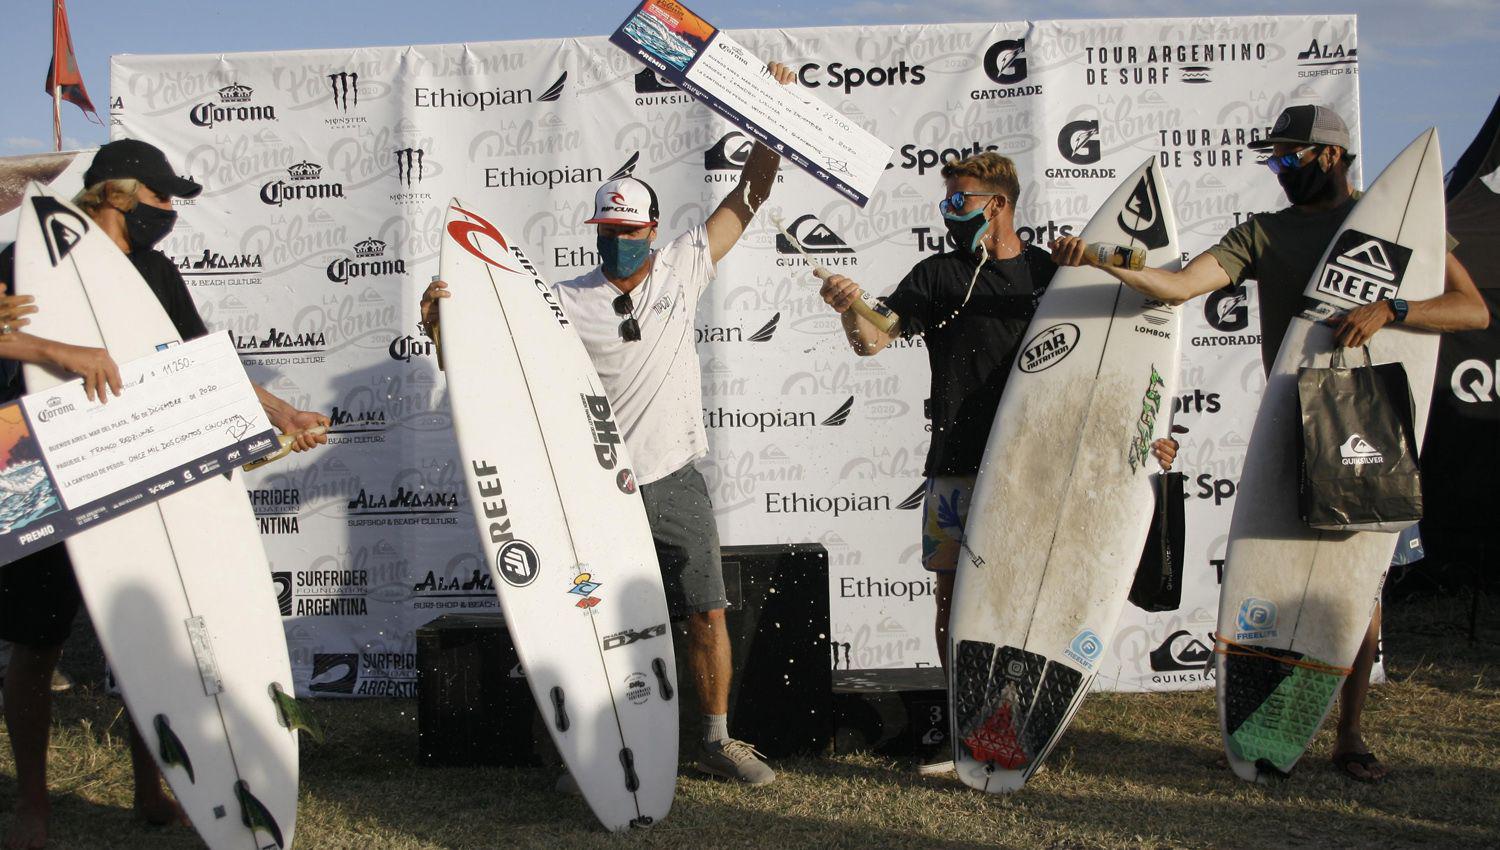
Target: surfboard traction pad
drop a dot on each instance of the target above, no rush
(1010, 704)
(1272, 708)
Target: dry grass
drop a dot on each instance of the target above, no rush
(1133, 771)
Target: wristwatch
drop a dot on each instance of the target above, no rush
(1399, 307)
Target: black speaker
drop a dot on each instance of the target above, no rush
(473, 704)
(781, 699)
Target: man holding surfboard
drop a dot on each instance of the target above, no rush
(1309, 154)
(128, 193)
(634, 314)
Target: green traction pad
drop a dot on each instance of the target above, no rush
(1283, 723)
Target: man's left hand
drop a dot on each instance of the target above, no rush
(784, 75)
(1355, 327)
(300, 421)
(1165, 450)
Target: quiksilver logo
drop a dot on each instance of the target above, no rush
(1356, 451)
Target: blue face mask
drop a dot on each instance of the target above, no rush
(620, 257)
(967, 230)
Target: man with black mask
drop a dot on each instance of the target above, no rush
(128, 194)
(1309, 154)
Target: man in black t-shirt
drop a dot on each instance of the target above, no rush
(128, 196)
(972, 304)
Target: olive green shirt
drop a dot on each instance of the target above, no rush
(1280, 250)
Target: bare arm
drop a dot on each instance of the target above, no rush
(840, 293)
(1199, 277)
(1459, 308)
(290, 420)
(100, 374)
(728, 221)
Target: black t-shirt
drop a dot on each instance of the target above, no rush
(971, 355)
(159, 273)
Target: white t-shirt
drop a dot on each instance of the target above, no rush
(653, 383)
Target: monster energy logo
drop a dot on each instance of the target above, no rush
(409, 163)
(345, 85)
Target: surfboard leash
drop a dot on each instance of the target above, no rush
(1225, 646)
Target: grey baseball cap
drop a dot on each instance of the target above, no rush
(1308, 124)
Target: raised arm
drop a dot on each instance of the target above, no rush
(728, 221)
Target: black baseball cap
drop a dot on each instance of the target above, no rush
(133, 159)
(1307, 124)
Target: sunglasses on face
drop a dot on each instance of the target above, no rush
(630, 329)
(954, 203)
(1289, 161)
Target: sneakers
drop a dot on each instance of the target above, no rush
(732, 759)
(936, 768)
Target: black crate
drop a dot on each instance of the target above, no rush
(902, 712)
(473, 704)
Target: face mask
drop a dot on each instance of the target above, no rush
(146, 225)
(622, 258)
(1308, 184)
(967, 230)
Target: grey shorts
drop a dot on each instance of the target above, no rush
(687, 541)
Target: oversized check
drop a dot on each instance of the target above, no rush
(66, 463)
(688, 52)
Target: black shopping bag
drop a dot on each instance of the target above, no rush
(1358, 455)
(1158, 577)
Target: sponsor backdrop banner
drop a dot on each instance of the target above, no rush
(326, 173)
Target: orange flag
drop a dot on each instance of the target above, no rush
(62, 74)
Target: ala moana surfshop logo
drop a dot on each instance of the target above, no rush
(234, 105)
(1356, 451)
(304, 182)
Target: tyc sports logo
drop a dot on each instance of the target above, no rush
(234, 105)
(1357, 451)
(1362, 269)
(1256, 620)
(1005, 65)
(304, 182)
(1085, 648)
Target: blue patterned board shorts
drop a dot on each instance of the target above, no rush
(945, 509)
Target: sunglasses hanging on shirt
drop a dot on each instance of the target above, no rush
(630, 329)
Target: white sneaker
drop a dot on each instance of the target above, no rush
(936, 768)
(732, 759)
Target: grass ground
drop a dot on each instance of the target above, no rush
(1134, 770)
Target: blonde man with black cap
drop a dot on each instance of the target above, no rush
(634, 313)
(128, 194)
(1309, 154)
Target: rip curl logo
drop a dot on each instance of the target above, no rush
(1085, 648)
(1356, 451)
(467, 233)
(1256, 620)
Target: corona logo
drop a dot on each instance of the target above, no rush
(235, 93)
(304, 170)
(369, 248)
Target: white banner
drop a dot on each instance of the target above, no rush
(325, 173)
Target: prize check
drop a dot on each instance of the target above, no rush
(720, 73)
(66, 463)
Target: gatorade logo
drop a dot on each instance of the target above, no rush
(1078, 142)
(1363, 269)
(1357, 452)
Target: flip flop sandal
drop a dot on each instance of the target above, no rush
(1342, 761)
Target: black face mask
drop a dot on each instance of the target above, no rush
(146, 225)
(1308, 184)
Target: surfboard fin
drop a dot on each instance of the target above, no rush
(170, 747)
(627, 761)
(561, 709)
(255, 815)
(664, 685)
(294, 715)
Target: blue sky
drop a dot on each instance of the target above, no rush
(1423, 63)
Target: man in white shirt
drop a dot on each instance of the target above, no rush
(634, 313)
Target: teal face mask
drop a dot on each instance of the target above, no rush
(622, 258)
(966, 230)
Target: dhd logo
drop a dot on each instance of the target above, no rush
(1079, 142)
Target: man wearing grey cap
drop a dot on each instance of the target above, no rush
(1309, 154)
(634, 313)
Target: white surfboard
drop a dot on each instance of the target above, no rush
(562, 524)
(1299, 598)
(179, 590)
(1063, 501)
